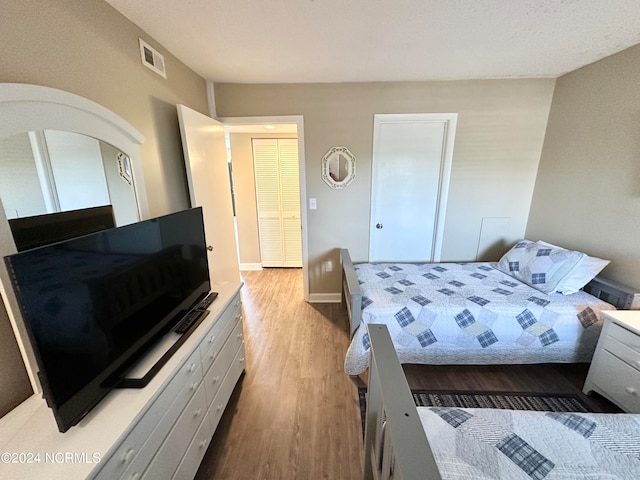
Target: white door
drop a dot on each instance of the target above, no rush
(278, 201)
(209, 187)
(411, 165)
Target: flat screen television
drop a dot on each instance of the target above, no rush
(40, 230)
(94, 305)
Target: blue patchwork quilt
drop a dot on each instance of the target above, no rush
(505, 444)
(471, 313)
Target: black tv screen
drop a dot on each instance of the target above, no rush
(40, 230)
(92, 305)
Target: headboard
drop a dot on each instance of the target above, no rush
(620, 296)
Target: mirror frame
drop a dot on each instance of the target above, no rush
(24, 108)
(336, 152)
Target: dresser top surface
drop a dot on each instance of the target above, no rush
(630, 319)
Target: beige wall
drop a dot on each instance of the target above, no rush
(501, 125)
(587, 195)
(88, 48)
(245, 194)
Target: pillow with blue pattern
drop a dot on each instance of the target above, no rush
(510, 262)
(539, 265)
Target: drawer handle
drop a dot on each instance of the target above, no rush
(192, 368)
(631, 391)
(212, 338)
(128, 455)
(203, 444)
(213, 355)
(215, 379)
(194, 385)
(197, 412)
(219, 408)
(239, 336)
(134, 476)
(241, 361)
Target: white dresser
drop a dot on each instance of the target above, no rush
(615, 368)
(159, 432)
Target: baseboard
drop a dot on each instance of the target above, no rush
(325, 298)
(244, 267)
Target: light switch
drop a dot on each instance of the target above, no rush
(313, 204)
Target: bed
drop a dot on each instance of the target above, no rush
(475, 313)
(405, 442)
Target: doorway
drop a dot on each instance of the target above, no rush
(244, 181)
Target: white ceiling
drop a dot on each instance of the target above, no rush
(302, 41)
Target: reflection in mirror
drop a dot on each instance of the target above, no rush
(338, 167)
(53, 171)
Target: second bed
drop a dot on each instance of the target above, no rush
(452, 443)
(467, 313)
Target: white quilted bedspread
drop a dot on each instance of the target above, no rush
(504, 444)
(471, 313)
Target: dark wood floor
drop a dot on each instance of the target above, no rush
(548, 378)
(295, 413)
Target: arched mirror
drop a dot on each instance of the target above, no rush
(338, 167)
(36, 122)
(50, 171)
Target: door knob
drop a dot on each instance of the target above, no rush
(378, 225)
(210, 248)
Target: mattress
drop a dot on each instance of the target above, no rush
(499, 444)
(471, 313)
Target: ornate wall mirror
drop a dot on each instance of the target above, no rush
(338, 167)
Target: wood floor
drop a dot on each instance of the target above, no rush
(295, 413)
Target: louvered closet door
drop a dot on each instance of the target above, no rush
(290, 197)
(278, 201)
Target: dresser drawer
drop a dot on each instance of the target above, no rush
(135, 452)
(623, 344)
(192, 458)
(175, 445)
(216, 373)
(226, 388)
(217, 335)
(618, 381)
(149, 449)
(623, 352)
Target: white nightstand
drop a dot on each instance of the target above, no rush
(615, 368)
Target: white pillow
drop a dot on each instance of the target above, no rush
(540, 266)
(581, 274)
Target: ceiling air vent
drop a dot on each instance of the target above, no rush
(152, 58)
